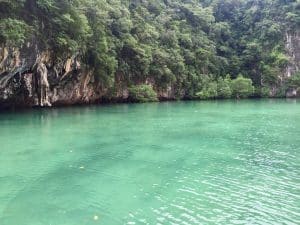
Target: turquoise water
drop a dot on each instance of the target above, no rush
(222, 162)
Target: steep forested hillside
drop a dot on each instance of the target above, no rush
(195, 47)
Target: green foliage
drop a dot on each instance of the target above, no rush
(264, 92)
(142, 93)
(209, 91)
(190, 45)
(242, 87)
(293, 81)
(223, 87)
(13, 32)
(46, 5)
(10, 7)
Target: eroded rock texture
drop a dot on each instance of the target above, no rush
(293, 51)
(29, 77)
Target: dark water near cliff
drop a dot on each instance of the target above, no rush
(223, 162)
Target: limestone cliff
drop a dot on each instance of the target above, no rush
(30, 77)
(293, 51)
(33, 77)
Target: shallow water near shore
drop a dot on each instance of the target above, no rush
(209, 162)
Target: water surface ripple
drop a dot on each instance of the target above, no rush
(222, 162)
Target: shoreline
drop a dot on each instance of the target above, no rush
(11, 107)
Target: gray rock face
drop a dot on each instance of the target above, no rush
(29, 77)
(42, 85)
(293, 51)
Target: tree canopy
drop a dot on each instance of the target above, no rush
(197, 46)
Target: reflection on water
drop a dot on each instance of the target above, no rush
(218, 162)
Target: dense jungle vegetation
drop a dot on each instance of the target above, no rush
(202, 48)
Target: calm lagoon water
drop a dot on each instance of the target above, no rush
(210, 162)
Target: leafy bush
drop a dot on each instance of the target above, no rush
(209, 91)
(223, 86)
(142, 93)
(293, 81)
(281, 92)
(13, 32)
(264, 92)
(242, 87)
